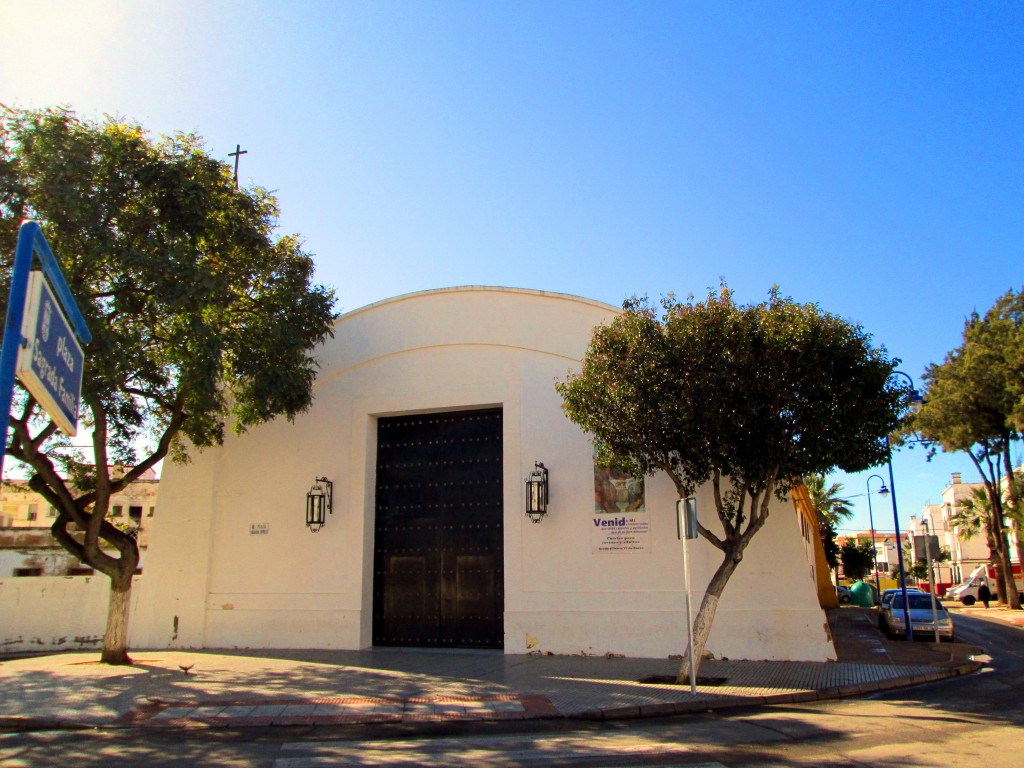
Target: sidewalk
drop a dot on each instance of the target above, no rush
(996, 612)
(302, 688)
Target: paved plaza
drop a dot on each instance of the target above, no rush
(250, 688)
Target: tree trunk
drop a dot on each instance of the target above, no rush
(994, 559)
(1012, 595)
(706, 615)
(115, 639)
(997, 560)
(1013, 500)
(1018, 530)
(999, 544)
(1008, 595)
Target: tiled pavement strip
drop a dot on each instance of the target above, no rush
(340, 710)
(272, 688)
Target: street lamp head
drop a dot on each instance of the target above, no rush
(915, 400)
(884, 490)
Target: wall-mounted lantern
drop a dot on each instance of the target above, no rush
(537, 493)
(319, 501)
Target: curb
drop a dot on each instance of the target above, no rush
(797, 697)
(27, 724)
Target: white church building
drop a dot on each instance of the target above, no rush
(431, 411)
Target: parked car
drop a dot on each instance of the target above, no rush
(890, 618)
(887, 596)
(843, 593)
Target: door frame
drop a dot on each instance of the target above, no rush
(443, 560)
(362, 491)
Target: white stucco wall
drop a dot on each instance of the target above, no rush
(211, 583)
(54, 612)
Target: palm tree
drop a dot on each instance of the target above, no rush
(972, 514)
(826, 501)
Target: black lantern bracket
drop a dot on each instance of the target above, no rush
(319, 503)
(537, 493)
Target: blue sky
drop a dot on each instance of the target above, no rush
(865, 156)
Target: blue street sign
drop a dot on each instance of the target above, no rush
(50, 361)
(31, 246)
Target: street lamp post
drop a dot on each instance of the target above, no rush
(871, 519)
(915, 401)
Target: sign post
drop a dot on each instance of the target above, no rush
(39, 344)
(687, 528)
(927, 543)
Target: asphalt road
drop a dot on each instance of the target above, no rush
(975, 721)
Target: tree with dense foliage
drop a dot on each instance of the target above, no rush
(974, 402)
(831, 509)
(200, 315)
(857, 557)
(749, 398)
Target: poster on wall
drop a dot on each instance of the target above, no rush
(620, 522)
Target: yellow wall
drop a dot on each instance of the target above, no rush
(826, 590)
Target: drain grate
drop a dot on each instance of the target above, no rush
(671, 680)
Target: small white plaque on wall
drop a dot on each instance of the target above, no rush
(259, 529)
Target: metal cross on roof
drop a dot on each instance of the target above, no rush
(236, 154)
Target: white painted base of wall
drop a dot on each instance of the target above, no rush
(300, 628)
(47, 613)
(780, 635)
(61, 613)
(790, 635)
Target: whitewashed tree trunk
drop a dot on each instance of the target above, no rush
(115, 639)
(706, 616)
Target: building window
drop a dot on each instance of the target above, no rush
(78, 570)
(116, 511)
(33, 512)
(151, 511)
(52, 512)
(28, 571)
(135, 513)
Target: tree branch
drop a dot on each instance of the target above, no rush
(102, 492)
(26, 414)
(59, 529)
(46, 480)
(146, 395)
(43, 436)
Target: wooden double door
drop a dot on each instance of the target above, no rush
(438, 561)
